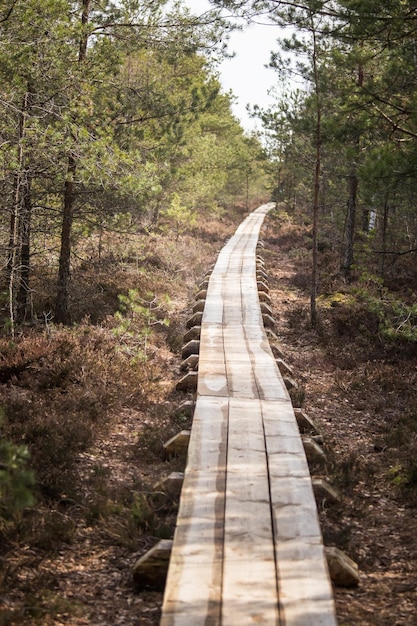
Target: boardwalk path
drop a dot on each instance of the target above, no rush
(248, 546)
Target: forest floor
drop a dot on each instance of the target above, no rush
(71, 563)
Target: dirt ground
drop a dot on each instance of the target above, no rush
(88, 578)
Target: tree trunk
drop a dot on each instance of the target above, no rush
(12, 267)
(24, 236)
(316, 195)
(350, 222)
(384, 236)
(62, 315)
(352, 202)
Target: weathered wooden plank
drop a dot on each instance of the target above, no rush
(304, 587)
(240, 377)
(193, 588)
(267, 376)
(305, 592)
(212, 378)
(249, 585)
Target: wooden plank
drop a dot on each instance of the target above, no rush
(213, 311)
(193, 589)
(305, 591)
(240, 377)
(269, 381)
(249, 585)
(232, 294)
(212, 378)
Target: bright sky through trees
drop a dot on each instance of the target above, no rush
(246, 74)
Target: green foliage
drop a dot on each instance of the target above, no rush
(135, 320)
(121, 92)
(16, 479)
(179, 217)
(397, 320)
(143, 512)
(367, 85)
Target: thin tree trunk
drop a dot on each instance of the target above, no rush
(352, 202)
(316, 195)
(62, 315)
(350, 221)
(12, 268)
(24, 235)
(12, 278)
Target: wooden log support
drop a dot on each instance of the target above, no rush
(262, 286)
(276, 349)
(268, 321)
(185, 409)
(188, 382)
(324, 491)
(192, 333)
(266, 309)
(192, 347)
(344, 572)
(290, 383)
(284, 368)
(178, 444)
(190, 363)
(195, 320)
(305, 423)
(150, 571)
(314, 452)
(171, 485)
(264, 297)
(201, 295)
(198, 307)
(261, 275)
(204, 283)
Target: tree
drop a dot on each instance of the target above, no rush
(30, 76)
(97, 102)
(310, 47)
(367, 86)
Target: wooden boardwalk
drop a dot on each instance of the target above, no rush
(248, 547)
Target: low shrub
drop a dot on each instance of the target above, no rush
(61, 394)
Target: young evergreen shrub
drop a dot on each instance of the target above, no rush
(16, 480)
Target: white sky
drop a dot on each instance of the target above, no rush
(246, 74)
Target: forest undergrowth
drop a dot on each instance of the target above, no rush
(86, 410)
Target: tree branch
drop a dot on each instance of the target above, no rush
(8, 13)
(395, 252)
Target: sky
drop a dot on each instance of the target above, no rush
(246, 74)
